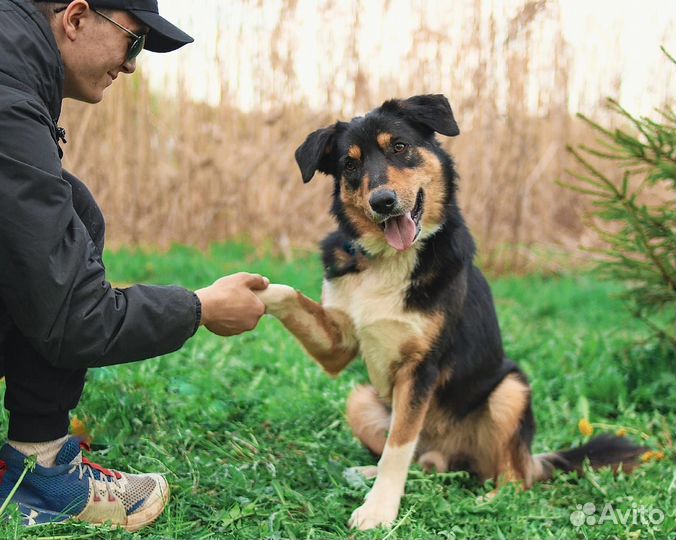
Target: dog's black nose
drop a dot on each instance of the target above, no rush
(383, 201)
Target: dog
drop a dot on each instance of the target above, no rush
(401, 290)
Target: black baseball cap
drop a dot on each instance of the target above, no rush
(162, 35)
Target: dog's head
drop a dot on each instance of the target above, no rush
(393, 180)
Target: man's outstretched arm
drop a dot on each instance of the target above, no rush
(52, 280)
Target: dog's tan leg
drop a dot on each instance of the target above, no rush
(326, 334)
(409, 407)
(369, 418)
(504, 457)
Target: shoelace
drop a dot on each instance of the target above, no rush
(108, 476)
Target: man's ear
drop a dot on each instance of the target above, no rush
(73, 17)
(432, 111)
(318, 153)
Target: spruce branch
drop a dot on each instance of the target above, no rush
(638, 233)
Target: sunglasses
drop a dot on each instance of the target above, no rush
(135, 47)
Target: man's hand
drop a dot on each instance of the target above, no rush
(229, 306)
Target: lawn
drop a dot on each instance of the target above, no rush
(251, 433)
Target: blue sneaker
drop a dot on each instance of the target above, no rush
(75, 488)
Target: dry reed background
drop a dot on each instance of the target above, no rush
(166, 169)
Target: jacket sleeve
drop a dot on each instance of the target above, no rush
(52, 279)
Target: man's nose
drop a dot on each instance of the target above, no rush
(129, 66)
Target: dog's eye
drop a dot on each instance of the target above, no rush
(399, 147)
(350, 166)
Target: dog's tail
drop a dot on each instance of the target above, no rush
(369, 418)
(603, 451)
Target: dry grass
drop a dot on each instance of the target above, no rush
(169, 170)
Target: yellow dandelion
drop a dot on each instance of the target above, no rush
(652, 455)
(585, 427)
(621, 432)
(646, 456)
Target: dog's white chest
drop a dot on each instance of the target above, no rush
(374, 299)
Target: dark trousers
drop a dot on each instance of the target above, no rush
(40, 396)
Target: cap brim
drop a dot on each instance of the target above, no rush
(162, 35)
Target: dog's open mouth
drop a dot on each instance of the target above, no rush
(402, 231)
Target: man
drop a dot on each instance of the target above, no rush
(58, 314)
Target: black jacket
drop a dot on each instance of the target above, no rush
(53, 287)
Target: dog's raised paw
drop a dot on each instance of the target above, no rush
(275, 297)
(373, 514)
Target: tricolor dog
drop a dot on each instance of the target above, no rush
(401, 291)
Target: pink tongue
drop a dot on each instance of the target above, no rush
(400, 232)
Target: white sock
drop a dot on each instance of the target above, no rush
(45, 451)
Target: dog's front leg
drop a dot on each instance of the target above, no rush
(410, 400)
(326, 334)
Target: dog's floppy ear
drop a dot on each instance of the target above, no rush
(432, 111)
(318, 153)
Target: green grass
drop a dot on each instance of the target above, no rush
(252, 437)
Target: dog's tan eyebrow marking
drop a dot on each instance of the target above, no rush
(384, 140)
(354, 152)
